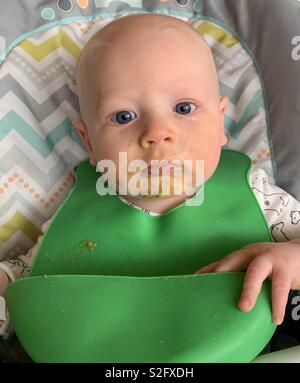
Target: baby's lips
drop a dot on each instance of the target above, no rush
(164, 168)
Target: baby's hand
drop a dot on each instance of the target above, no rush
(279, 262)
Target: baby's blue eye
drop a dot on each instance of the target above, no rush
(123, 117)
(183, 107)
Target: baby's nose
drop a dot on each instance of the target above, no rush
(157, 133)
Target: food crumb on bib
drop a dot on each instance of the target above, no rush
(88, 244)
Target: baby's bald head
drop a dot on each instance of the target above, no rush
(139, 41)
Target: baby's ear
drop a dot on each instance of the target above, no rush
(223, 106)
(83, 133)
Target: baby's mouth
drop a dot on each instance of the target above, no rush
(156, 169)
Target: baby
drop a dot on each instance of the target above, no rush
(148, 87)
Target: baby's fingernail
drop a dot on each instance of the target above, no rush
(277, 320)
(245, 304)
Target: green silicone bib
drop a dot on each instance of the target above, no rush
(112, 283)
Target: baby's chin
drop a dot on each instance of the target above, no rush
(160, 189)
(153, 197)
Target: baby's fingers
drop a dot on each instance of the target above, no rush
(208, 269)
(258, 270)
(281, 284)
(236, 261)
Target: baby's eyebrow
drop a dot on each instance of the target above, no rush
(107, 103)
(113, 101)
(110, 101)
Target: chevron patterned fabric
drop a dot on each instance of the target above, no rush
(39, 146)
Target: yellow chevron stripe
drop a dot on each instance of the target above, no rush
(60, 39)
(219, 34)
(18, 222)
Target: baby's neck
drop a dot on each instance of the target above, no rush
(158, 205)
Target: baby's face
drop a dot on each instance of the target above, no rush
(150, 90)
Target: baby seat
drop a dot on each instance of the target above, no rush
(40, 148)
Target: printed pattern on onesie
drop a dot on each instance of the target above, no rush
(281, 210)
